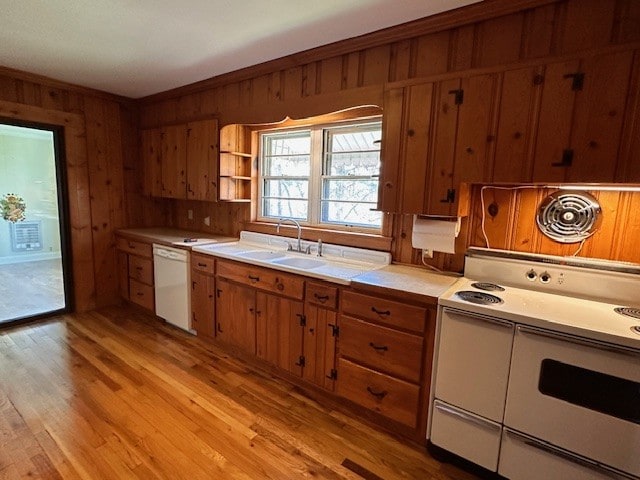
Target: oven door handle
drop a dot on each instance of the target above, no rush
(482, 318)
(583, 462)
(578, 341)
(465, 416)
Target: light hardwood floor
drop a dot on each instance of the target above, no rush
(116, 394)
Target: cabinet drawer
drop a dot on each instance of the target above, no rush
(392, 313)
(141, 269)
(262, 278)
(322, 295)
(203, 263)
(141, 294)
(137, 248)
(383, 348)
(389, 396)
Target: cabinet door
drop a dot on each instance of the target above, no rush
(554, 122)
(279, 331)
(598, 117)
(202, 160)
(151, 147)
(202, 303)
(320, 346)
(445, 124)
(392, 159)
(236, 315)
(174, 162)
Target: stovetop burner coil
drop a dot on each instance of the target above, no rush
(628, 312)
(479, 298)
(490, 287)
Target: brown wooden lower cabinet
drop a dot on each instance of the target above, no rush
(374, 351)
(135, 272)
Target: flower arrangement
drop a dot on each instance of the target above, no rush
(12, 207)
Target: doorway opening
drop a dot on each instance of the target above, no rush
(35, 273)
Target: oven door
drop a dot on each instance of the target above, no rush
(577, 394)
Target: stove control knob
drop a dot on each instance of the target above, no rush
(545, 277)
(532, 275)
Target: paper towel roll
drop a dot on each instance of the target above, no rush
(435, 234)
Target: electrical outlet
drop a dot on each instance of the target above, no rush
(426, 253)
(190, 214)
(207, 221)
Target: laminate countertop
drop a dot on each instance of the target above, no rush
(173, 237)
(414, 282)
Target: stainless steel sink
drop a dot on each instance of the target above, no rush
(261, 255)
(299, 262)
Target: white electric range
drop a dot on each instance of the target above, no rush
(537, 366)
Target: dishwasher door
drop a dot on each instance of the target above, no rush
(171, 277)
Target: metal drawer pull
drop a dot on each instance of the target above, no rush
(321, 298)
(482, 318)
(466, 417)
(202, 264)
(578, 341)
(565, 455)
(254, 279)
(379, 395)
(383, 348)
(380, 312)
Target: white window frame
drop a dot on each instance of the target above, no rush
(318, 135)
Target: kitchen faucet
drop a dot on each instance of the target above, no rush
(295, 222)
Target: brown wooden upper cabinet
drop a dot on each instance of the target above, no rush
(181, 161)
(435, 136)
(236, 165)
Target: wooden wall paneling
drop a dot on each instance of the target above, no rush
(597, 121)
(260, 90)
(414, 167)
(553, 129)
(603, 243)
(461, 48)
(174, 161)
(476, 134)
(376, 61)
(104, 154)
(400, 61)
(403, 251)
(28, 92)
(151, 158)
(498, 41)
(350, 71)
(292, 89)
(629, 155)
(276, 86)
(432, 54)
(515, 133)
(168, 113)
(52, 98)
(627, 21)
(8, 89)
(73, 102)
(499, 215)
(188, 107)
(309, 77)
(330, 73)
(587, 24)
(627, 238)
(132, 173)
(445, 125)
(539, 39)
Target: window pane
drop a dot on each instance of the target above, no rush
(353, 163)
(351, 214)
(356, 138)
(289, 166)
(293, 143)
(357, 190)
(298, 189)
(276, 207)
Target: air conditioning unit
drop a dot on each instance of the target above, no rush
(26, 236)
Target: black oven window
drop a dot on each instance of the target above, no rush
(597, 391)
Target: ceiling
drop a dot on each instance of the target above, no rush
(137, 48)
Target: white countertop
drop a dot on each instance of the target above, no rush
(175, 237)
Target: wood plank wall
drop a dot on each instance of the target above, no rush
(102, 171)
(485, 35)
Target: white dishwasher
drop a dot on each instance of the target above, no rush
(172, 278)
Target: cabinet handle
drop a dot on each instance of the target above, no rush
(138, 268)
(202, 264)
(567, 159)
(380, 312)
(140, 294)
(253, 279)
(379, 395)
(382, 348)
(321, 298)
(220, 329)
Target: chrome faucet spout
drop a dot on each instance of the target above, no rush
(295, 222)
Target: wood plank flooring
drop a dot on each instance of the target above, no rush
(116, 394)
